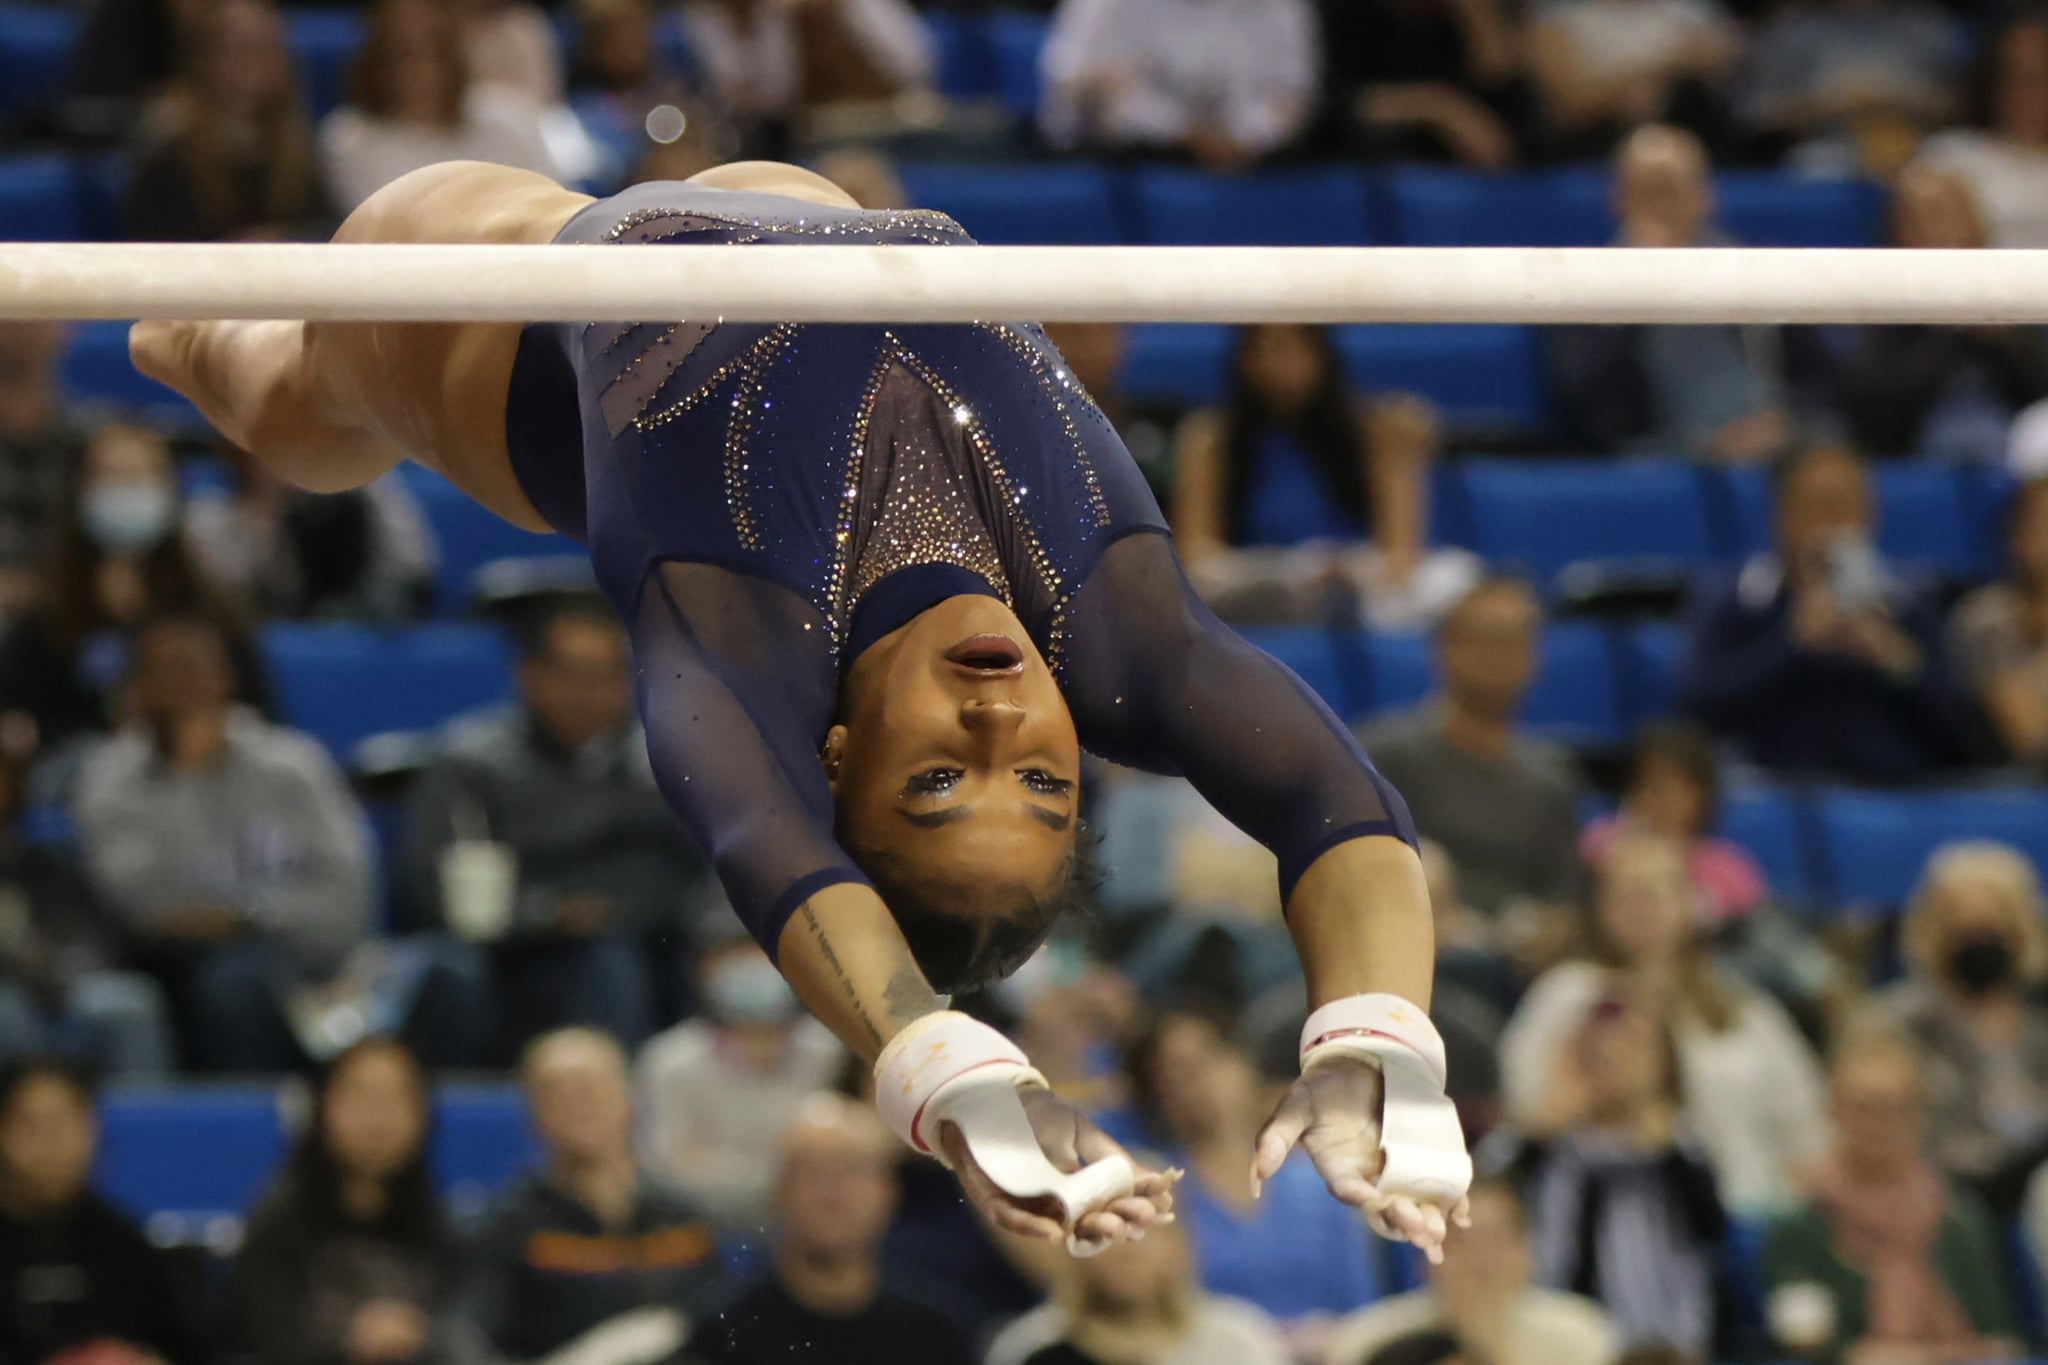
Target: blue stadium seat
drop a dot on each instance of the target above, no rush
(1065, 204)
(95, 372)
(1541, 515)
(1018, 39)
(1739, 502)
(967, 57)
(1646, 656)
(1576, 699)
(481, 1139)
(1319, 207)
(1927, 518)
(469, 538)
(1768, 208)
(35, 54)
(1484, 378)
(343, 683)
(1772, 826)
(1174, 364)
(1874, 844)
(1313, 655)
(324, 42)
(191, 1150)
(1436, 207)
(1400, 670)
(39, 199)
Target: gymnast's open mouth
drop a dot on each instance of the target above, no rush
(987, 656)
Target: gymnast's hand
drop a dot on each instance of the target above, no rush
(1070, 1141)
(1333, 1112)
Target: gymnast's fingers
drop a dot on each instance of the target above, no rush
(1001, 1210)
(1280, 1134)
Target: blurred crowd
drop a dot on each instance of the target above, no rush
(1708, 1128)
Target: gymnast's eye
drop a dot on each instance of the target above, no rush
(1044, 783)
(932, 782)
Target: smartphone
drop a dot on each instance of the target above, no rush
(1856, 574)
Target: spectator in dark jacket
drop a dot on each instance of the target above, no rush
(1723, 393)
(1815, 659)
(77, 1279)
(40, 446)
(348, 1260)
(590, 1245)
(605, 887)
(1946, 391)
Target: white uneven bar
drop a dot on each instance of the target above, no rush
(1062, 284)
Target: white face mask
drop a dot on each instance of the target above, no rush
(123, 518)
(748, 990)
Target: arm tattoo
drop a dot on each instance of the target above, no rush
(817, 932)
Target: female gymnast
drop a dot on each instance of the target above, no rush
(883, 584)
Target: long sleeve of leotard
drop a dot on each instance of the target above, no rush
(735, 686)
(1155, 681)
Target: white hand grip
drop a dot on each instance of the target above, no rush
(989, 1113)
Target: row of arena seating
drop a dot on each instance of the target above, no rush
(59, 197)
(1822, 848)
(1565, 523)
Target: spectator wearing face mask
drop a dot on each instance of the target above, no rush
(1976, 946)
(716, 1092)
(117, 558)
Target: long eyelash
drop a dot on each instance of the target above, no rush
(1044, 783)
(931, 782)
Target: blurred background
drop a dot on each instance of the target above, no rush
(361, 1004)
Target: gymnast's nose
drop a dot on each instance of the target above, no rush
(987, 718)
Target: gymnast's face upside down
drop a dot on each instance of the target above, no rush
(956, 773)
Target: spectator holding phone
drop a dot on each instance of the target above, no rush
(1816, 658)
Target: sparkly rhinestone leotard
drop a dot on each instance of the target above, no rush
(762, 502)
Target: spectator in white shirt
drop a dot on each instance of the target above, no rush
(2005, 158)
(412, 103)
(1228, 82)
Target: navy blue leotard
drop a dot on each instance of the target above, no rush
(764, 501)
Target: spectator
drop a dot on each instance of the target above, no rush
(1606, 66)
(2004, 159)
(605, 889)
(770, 65)
(716, 1091)
(1481, 1297)
(1857, 81)
(126, 54)
(1290, 1249)
(412, 102)
(1815, 658)
(1437, 80)
(230, 847)
(1975, 942)
(62, 988)
(2000, 632)
(1724, 393)
(1141, 1302)
(629, 91)
(1751, 1088)
(1620, 1208)
(825, 1297)
(348, 1258)
(78, 1282)
(510, 43)
(1887, 1260)
(39, 447)
(1504, 805)
(590, 1244)
(1674, 794)
(1273, 494)
(232, 158)
(1225, 82)
(368, 554)
(870, 180)
(1951, 392)
(115, 559)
